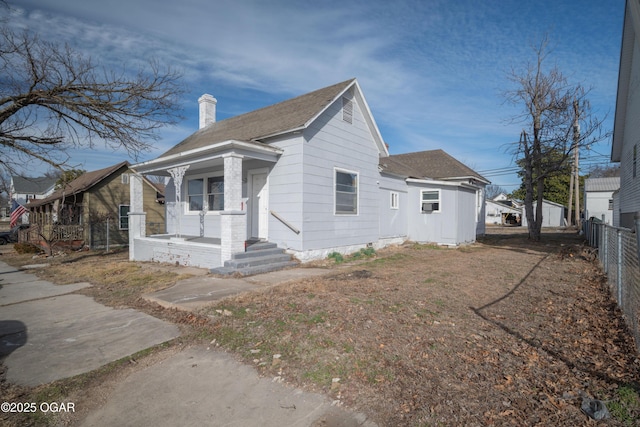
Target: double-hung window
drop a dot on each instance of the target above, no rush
(215, 193)
(209, 190)
(430, 201)
(123, 216)
(346, 192)
(195, 196)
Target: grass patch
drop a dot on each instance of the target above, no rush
(336, 256)
(625, 407)
(387, 260)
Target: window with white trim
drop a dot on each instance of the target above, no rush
(430, 201)
(210, 198)
(124, 178)
(346, 192)
(395, 200)
(123, 217)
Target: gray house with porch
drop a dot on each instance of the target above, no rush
(310, 175)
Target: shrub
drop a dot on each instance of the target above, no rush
(26, 248)
(336, 256)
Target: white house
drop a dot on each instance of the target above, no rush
(598, 198)
(502, 211)
(310, 175)
(626, 129)
(23, 189)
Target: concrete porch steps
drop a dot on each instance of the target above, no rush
(260, 257)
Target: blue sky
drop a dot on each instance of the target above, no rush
(432, 71)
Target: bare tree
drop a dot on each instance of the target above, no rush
(551, 108)
(53, 99)
(493, 190)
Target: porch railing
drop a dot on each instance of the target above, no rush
(37, 233)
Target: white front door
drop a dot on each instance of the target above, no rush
(259, 205)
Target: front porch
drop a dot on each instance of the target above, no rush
(190, 251)
(205, 252)
(215, 206)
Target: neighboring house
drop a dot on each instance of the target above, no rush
(80, 210)
(626, 128)
(311, 175)
(553, 214)
(24, 188)
(598, 198)
(503, 211)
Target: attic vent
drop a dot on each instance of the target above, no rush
(124, 178)
(347, 110)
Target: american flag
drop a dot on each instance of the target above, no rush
(17, 210)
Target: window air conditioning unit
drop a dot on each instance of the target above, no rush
(428, 207)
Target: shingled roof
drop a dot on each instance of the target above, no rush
(80, 184)
(433, 164)
(29, 185)
(286, 116)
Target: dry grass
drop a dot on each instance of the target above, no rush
(502, 332)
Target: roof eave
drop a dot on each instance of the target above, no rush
(468, 177)
(375, 132)
(205, 153)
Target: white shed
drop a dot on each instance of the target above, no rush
(552, 214)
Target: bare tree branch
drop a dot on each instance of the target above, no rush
(53, 99)
(548, 139)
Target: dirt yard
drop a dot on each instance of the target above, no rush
(503, 332)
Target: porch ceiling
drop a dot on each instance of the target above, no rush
(209, 157)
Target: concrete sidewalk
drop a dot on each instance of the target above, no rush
(47, 334)
(197, 292)
(200, 387)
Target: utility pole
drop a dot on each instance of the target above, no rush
(570, 212)
(576, 153)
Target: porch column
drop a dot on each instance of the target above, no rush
(137, 216)
(177, 174)
(233, 220)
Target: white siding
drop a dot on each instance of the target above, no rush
(393, 222)
(286, 194)
(453, 225)
(552, 215)
(331, 143)
(597, 205)
(630, 185)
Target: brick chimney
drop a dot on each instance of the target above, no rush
(207, 104)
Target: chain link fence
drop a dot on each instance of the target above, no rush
(618, 255)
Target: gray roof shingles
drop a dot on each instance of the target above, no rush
(268, 121)
(28, 185)
(434, 164)
(81, 183)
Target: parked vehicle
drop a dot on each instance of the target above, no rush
(11, 236)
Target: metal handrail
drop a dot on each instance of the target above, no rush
(285, 222)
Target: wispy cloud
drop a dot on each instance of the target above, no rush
(432, 71)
